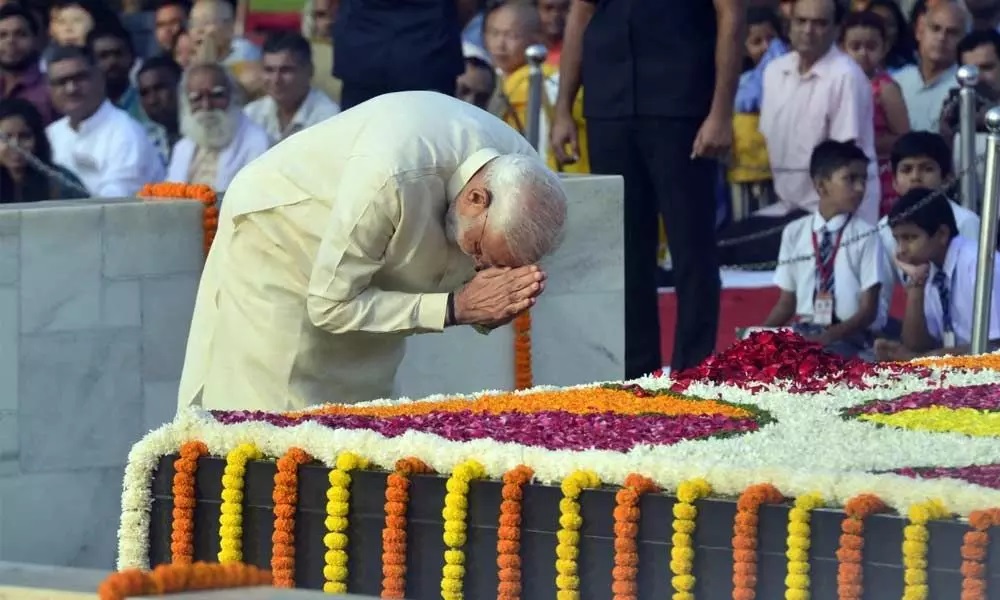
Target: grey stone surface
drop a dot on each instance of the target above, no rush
(159, 403)
(167, 306)
(458, 361)
(578, 338)
(10, 247)
(137, 244)
(121, 303)
(10, 446)
(53, 578)
(10, 337)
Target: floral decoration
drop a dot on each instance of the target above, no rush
(174, 579)
(850, 573)
(231, 511)
(509, 532)
(682, 551)
(626, 569)
(338, 505)
(745, 530)
(799, 538)
(182, 191)
(523, 376)
(397, 499)
(974, 547)
(286, 498)
(915, 538)
(568, 536)
(455, 513)
(182, 525)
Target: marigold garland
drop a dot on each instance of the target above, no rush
(172, 579)
(523, 375)
(286, 497)
(182, 191)
(682, 550)
(745, 537)
(568, 536)
(623, 585)
(337, 507)
(231, 511)
(974, 547)
(455, 513)
(509, 532)
(915, 538)
(394, 534)
(977, 362)
(182, 525)
(799, 538)
(850, 575)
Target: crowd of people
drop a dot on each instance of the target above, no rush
(724, 121)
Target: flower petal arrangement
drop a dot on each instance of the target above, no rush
(772, 420)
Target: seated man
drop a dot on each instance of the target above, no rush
(291, 103)
(105, 147)
(219, 139)
(329, 255)
(940, 268)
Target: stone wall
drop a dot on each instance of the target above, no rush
(95, 304)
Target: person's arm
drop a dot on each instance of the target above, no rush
(891, 98)
(859, 321)
(783, 310)
(571, 59)
(915, 335)
(730, 17)
(341, 297)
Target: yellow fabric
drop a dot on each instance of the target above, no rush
(328, 255)
(515, 88)
(750, 160)
(323, 79)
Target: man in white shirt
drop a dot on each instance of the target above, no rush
(291, 103)
(219, 139)
(925, 86)
(105, 147)
(329, 254)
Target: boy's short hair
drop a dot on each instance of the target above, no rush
(921, 144)
(831, 156)
(929, 214)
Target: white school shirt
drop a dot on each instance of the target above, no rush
(960, 270)
(110, 152)
(316, 107)
(966, 221)
(856, 267)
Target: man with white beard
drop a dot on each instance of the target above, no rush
(407, 214)
(219, 139)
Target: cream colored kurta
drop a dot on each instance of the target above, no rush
(331, 249)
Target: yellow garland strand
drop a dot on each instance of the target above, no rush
(570, 521)
(338, 504)
(231, 517)
(915, 537)
(455, 512)
(797, 579)
(682, 550)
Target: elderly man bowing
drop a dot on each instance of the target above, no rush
(407, 214)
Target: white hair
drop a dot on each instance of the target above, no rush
(528, 205)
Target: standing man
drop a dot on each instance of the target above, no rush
(660, 81)
(20, 76)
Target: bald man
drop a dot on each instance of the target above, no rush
(925, 85)
(214, 20)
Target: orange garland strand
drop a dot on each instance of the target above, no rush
(850, 574)
(182, 526)
(172, 579)
(509, 532)
(394, 534)
(523, 376)
(286, 497)
(182, 191)
(745, 537)
(974, 547)
(626, 513)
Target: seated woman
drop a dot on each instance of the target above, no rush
(21, 124)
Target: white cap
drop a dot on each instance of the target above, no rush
(470, 50)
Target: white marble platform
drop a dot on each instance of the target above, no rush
(95, 304)
(578, 325)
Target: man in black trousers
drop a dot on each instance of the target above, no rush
(659, 79)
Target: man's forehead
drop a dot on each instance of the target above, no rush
(948, 15)
(813, 9)
(15, 23)
(280, 59)
(981, 53)
(203, 78)
(67, 65)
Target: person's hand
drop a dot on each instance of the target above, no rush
(892, 351)
(497, 295)
(564, 135)
(714, 139)
(916, 275)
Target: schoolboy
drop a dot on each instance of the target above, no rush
(834, 294)
(940, 268)
(921, 159)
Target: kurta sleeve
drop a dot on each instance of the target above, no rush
(341, 296)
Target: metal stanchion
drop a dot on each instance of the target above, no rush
(968, 77)
(535, 56)
(987, 238)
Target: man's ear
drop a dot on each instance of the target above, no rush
(480, 197)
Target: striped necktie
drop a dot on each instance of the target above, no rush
(826, 256)
(940, 281)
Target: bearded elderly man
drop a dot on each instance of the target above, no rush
(407, 214)
(219, 139)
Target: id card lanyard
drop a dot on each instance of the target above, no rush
(823, 305)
